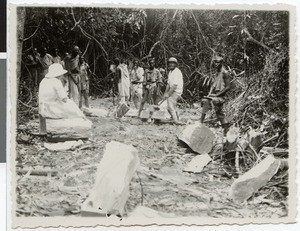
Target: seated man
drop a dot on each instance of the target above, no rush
(217, 94)
(53, 99)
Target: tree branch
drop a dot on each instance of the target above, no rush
(33, 32)
(251, 39)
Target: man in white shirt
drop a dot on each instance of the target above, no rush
(174, 88)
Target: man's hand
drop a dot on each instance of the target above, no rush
(65, 100)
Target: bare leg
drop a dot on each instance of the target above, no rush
(143, 101)
(206, 106)
(172, 101)
(86, 99)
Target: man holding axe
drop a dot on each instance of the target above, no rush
(217, 94)
(174, 88)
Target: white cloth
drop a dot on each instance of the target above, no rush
(137, 75)
(124, 82)
(51, 105)
(175, 78)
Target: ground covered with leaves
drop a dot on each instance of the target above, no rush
(67, 177)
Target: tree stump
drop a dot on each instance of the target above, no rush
(249, 183)
(198, 137)
(68, 129)
(114, 174)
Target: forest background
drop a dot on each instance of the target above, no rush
(254, 44)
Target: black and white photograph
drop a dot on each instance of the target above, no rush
(128, 115)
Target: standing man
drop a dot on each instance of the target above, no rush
(137, 78)
(84, 82)
(152, 81)
(174, 88)
(217, 94)
(44, 61)
(56, 57)
(32, 63)
(122, 76)
(73, 66)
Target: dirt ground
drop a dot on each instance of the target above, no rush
(159, 184)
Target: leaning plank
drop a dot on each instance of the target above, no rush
(68, 129)
(249, 183)
(198, 137)
(114, 174)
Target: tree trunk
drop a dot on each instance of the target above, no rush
(21, 13)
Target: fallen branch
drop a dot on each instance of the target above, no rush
(251, 39)
(38, 172)
(142, 190)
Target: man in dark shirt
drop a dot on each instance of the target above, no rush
(152, 81)
(217, 94)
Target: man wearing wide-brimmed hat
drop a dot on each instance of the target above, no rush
(174, 88)
(53, 99)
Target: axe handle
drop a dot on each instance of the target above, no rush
(160, 103)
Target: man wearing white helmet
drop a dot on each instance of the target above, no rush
(53, 99)
(174, 88)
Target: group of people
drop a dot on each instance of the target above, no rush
(75, 81)
(145, 86)
(63, 83)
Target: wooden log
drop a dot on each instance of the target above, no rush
(161, 115)
(114, 174)
(132, 113)
(249, 183)
(277, 152)
(255, 139)
(63, 146)
(38, 172)
(231, 144)
(198, 137)
(68, 129)
(145, 114)
(95, 112)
